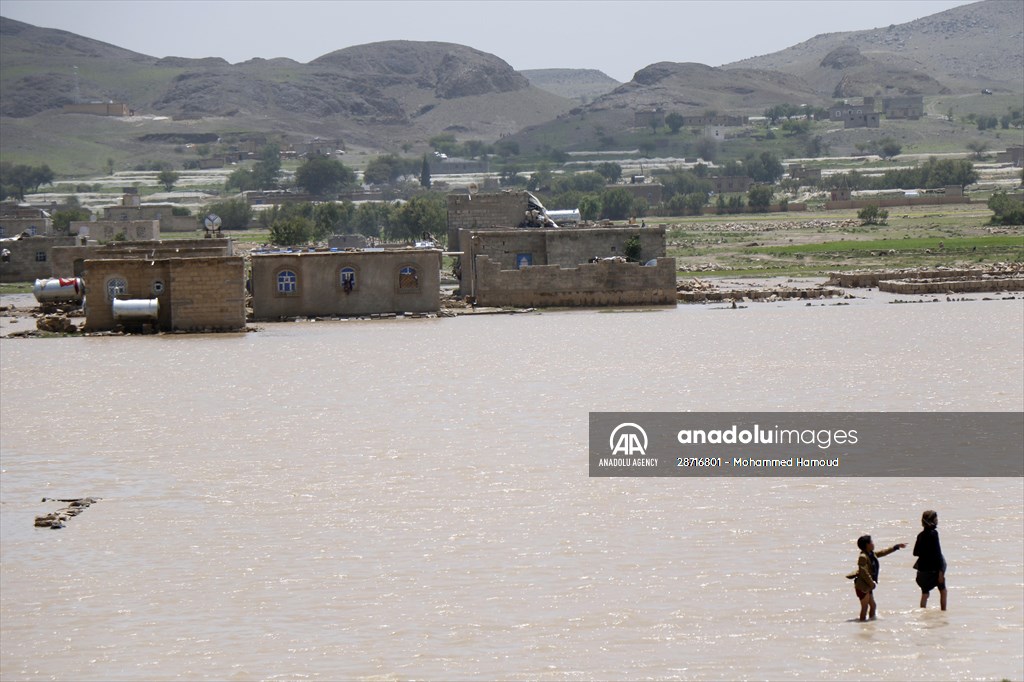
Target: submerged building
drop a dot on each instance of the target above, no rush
(345, 283)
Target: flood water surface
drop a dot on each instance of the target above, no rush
(409, 499)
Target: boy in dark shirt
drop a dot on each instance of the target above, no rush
(930, 565)
(865, 578)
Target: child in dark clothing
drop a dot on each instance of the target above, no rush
(865, 578)
(930, 565)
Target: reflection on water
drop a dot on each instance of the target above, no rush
(410, 498)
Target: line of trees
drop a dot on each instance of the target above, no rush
(307, 222)
(932, 174)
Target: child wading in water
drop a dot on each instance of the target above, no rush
(865, 578)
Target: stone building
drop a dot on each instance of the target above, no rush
(345, 283)
(16, 219)
(26, 259)
(726, 184)
(131, 208)
(856, 115)
(651, 192)
(565, 247)
(111, 230)
(99, 109)
(907, 106)
(589, 284)
(193, 294)
(498, 209)
(69, 261)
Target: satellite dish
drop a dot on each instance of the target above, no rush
(473, 188)
(212, 222)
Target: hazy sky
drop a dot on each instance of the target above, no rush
(616, 37)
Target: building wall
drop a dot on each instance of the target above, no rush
(566, 247)
(162, 212)
(347, 241)
(98, 109)
(15, 220)
(652, 191)
(194, 294)
(31, 258)
(590, 284)
(108, 230)
(502, 209)
(731, 183)
(319, 290)
(70, 260)
(928, 199)
(909, 106)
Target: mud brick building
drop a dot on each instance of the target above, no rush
(345, 283)
(194, 294)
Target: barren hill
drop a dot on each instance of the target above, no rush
(963, 49)
(578, 84)
(371, 95)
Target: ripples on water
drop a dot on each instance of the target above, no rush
(410, 498)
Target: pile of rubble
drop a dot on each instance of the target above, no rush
(817, 224)
(696, 290)
(75, 506)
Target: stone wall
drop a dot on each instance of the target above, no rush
(30, 258)
(377, 283)
(873, 278)
(605, 283)
(566, 247)
(194, 294)
(951, 286)
(503, 209)
(70, 260)
(109, 230)
(897, 201)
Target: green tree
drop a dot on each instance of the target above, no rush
(425, 172)
(763, 168)
(423, 215)
(266, 170)
(590, 207)
(234, 214)
(707, 149)
(322, 176)
(616, 204)
(327, 220)
(291, 231)
(872, 215)
(444, 143)
(1006, 210)
(695, 202)
(388, 169)
(889, 148)
(372, 218)
(63, 218)
(110, 166)
(631, 250)
(674, 121)
(610, 170)
(978, 147)
(760, 197)
(167, 178)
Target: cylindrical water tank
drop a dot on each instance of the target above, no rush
(59, 289)
(136, 309)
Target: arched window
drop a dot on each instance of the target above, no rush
(287, 282)
(348, 280)
(408, 279)
(116, 286)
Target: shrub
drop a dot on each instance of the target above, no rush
(872, 215)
